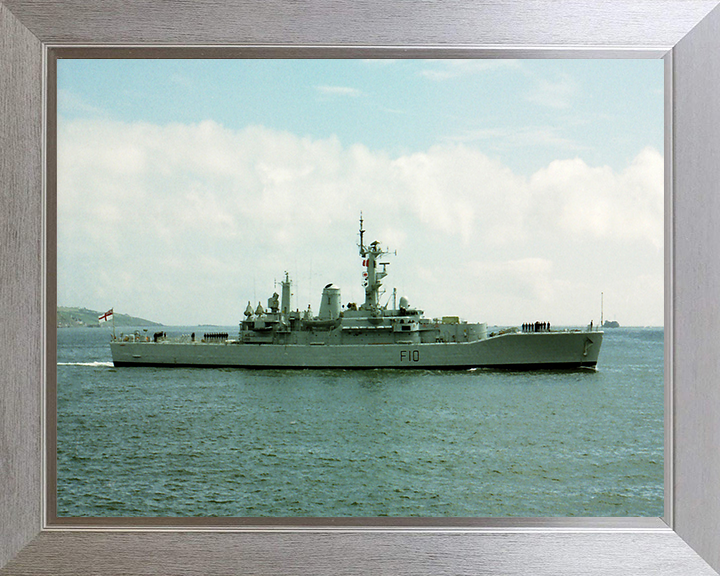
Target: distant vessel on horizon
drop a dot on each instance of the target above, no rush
(362, 336)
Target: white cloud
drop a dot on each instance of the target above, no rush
(601, 204)
(339, 91)
(510, 138)
(185, 223)
(447, 69)
(380, 61)
(554, 94)
(183, 81)
(71, 102)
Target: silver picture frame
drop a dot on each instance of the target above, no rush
(686, 33)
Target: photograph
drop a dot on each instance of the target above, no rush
(360, 288)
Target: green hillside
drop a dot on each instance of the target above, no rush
(68, 317)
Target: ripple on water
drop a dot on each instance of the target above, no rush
(332, 443)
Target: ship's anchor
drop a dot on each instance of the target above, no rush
(588, 344)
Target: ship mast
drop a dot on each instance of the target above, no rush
(372, 276)
(285, 302)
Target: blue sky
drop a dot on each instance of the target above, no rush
(525, 113)
(514, 190)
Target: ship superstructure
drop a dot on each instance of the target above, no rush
(362, 336)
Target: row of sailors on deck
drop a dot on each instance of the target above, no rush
(536, 327)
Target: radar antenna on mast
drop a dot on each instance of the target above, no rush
(362, 232)
(372, 276)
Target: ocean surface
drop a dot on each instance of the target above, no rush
(244, 443)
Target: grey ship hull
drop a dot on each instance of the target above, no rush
(517, 350)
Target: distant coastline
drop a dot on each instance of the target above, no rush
(70, 317)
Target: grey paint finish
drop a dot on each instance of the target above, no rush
(401, 22)
(622, 552)
(510, 554)
(697, 291)
(515, 350)
(20, 282)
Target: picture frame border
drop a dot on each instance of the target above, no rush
(35, 536)
(55, 53)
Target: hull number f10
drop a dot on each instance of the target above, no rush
(409, 355)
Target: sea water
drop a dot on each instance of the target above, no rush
(236, 442)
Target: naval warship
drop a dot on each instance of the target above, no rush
(368, 335)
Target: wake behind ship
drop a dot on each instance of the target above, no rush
(362, 336)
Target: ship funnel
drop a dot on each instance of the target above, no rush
(330, 303)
